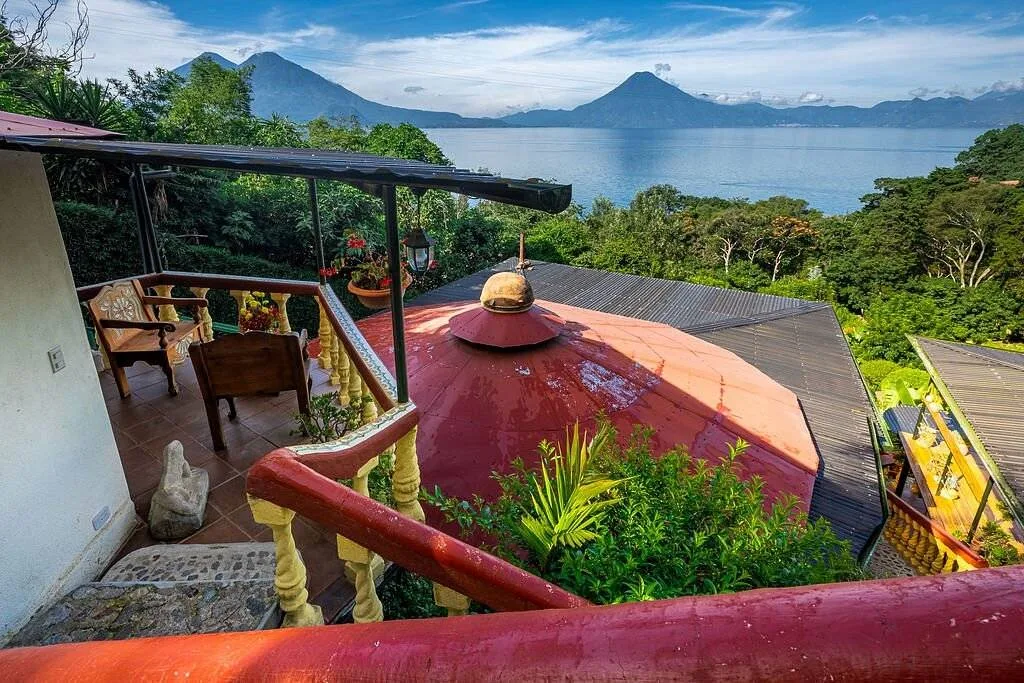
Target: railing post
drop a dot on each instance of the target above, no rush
(282, 306)
(326, 333)
(205, 319)
(405, 482)
(457, 604)
(290, 573)
(167, 312)
(240, 297)
(343, 367)
(369, 407)
(361, 562)
(355, 385)
(335, 360)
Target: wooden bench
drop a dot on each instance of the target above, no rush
(129, 331)
(250, 364)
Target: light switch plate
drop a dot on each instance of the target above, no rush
(56, 356)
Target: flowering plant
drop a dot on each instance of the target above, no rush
(259, 314)
(373, 273)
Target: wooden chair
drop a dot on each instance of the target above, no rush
(250, 364)
(129, 331)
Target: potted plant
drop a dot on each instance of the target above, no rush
(259, 314)
(369, 277)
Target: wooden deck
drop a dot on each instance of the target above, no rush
(147, 421)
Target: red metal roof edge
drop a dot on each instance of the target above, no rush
(21, 125)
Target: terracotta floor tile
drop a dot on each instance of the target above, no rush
(122, 439)
(220, 531)
(245, 457)
(157, 427)
(142, 502)
(266, 420)
(140, 538)
(323, 566)
(338, 595)
(219, 472)
(134, 457)
(228, 496)
(242, 518)
(236, 435)
(143, 477)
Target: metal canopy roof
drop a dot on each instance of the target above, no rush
(18, 124)
(365, 171)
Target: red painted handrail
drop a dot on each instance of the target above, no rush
(962, 551)
(283, 480)
(952, 627)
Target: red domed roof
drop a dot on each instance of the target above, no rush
(482, 407)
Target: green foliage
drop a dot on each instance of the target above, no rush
(328, 419)
(102, 243)
(568, 501)
(997, 154)
(902, 386)
(817, 289)
(405, 595)
(890, 320)
(211, 107)
(995, 545)
(874, 371)
(682, 527)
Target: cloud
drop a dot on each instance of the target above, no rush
(413, 89)
(769, 49)
(811, 98)
(770, 13)
(868, 17)
(660, 69)
(1006, 86)
(459, 4)
(924, 91)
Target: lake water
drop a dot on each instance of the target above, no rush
(829, 167)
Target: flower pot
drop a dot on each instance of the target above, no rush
(377, 299)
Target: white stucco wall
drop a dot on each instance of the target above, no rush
(59, 464)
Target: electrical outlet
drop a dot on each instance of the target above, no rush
(56, 356)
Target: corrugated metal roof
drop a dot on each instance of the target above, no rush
(365, 171)
(31, 126)
(797, 343)
(988, 387)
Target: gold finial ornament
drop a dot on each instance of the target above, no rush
(507, 293)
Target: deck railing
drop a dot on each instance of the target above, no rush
(304, 479)
(924, 544)
(933, 628)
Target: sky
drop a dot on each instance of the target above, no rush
(494, 57)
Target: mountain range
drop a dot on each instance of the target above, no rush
(642, 101)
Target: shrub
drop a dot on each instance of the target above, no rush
(800, 288)
(681, 527)
(903, 386)
(874, 371)
(996, 547)
(102, 243)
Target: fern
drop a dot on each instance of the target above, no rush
(567, 501)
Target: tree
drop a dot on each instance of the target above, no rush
(962, 228)
(996, 155)
(24, 37)
(789, 236)
(213, 106)
(726, 233)
(148, 97)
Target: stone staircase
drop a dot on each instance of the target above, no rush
(166, 590)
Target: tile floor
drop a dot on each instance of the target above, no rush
(145, 422)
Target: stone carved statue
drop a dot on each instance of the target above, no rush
(179, 503)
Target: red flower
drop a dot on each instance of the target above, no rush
(385, 282)
(432, 265)
(329, 271)
(356, 242)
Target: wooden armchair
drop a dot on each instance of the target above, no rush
(129, 331)
(250, 364)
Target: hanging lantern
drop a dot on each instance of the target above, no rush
(419, 247)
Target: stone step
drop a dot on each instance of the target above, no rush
(114, 611)
(195, 562)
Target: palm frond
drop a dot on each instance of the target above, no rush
(568, 500)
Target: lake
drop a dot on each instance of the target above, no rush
(829, 167)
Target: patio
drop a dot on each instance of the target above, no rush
(148, 420)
